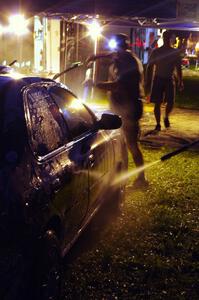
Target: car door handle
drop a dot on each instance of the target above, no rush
(91, 159)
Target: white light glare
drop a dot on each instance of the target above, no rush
(1, 29)
(112, 44)
(16, 75)
(18, 25)
(94, 29)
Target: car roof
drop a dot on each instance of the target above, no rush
(5, 69)
(13, 86)
(11, 102)
(6, 79)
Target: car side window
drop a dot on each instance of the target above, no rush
(76, 115)
(47, 127)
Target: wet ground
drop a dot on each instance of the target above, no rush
(184, 128)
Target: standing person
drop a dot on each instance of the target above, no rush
(161, 66)
(125, 87)
(197, 54)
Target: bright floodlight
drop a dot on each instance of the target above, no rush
(18, 24)
(94, 29)
(112, 44)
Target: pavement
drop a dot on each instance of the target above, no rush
(184, 128)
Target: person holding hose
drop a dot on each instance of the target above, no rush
(126, 91)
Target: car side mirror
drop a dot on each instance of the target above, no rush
(109, 121)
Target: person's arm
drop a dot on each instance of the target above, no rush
(121, 82)
(149, 72)
(107, 85)
(94, 57)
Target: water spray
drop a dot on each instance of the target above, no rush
(124, 176)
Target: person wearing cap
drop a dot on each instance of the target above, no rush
(160, 78)
(126, 91)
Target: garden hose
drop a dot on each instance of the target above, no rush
(175, 152)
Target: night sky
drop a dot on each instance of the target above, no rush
(147, 8)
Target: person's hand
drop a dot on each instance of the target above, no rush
(90, 59)
(180, 86)
(88, 82)
(148, 99)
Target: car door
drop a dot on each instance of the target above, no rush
(59, 164)
(96, 145)
(104, 164)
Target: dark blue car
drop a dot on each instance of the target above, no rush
(58, 162)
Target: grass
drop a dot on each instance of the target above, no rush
(152, 250)
(189, 97)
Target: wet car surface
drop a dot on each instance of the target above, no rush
(57, 164)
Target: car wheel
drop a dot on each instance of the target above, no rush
(48, 273)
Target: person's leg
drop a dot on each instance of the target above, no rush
(170, 96)
(156, 98)
(157, 114)
(168, 109)
(137, 157)
(131, 135)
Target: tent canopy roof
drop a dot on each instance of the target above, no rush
(141, 13)
(166, 23)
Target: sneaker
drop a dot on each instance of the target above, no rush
(140, 183)
(166, 122)
(157, 127)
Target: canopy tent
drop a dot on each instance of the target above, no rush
(139, 18)
(178, 24)
(142, 13)
(106, 8)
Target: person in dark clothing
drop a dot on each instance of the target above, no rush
(160, 72)
(125, 87)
